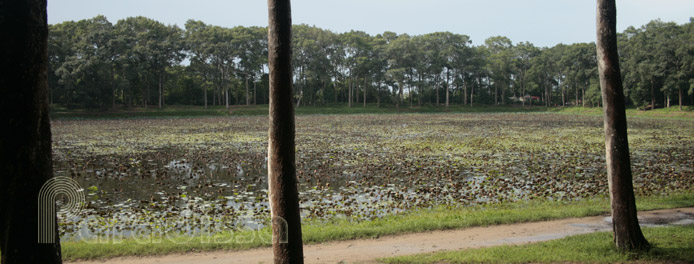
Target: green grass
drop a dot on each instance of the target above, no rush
(196, 111)
(439, 218)
(669, 244)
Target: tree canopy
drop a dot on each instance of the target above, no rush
(139, 61)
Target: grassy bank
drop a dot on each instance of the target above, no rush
(416, 221)
(196, 111)
(670, 244)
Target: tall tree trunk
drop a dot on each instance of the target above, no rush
(679, 90)
(652, 94)
(350, 91)
(464, 92)
(563, 94)
(576, 89)
(226, 97)
(26, 162)
(496, 93)
(356, 90)
(472, 93)
(419, 89)
(680, 93)
(583, 95)
(625, 225)
(113, 90)
(397, 105)
(378, 95)
(335, 89)
(436, 80)
(364, 91)
(447, 88)
(248, 95)
(255, 93)
(160, 91)
(284, 197)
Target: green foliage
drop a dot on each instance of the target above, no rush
(96, 65)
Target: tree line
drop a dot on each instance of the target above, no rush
(142, 62)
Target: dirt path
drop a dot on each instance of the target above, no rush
(367, 250)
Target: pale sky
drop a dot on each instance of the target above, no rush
(541, 22)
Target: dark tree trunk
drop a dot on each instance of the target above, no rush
(652, 94)
(364, 92)
(248, 95)
(680, 94)
(625, 225)
(436, 79)
(464, 93)
(160, 91)
(378, 96)
(26, 139)
(284, 197)
(204, 90)
(113, 90)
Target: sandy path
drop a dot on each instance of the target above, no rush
(367, 250)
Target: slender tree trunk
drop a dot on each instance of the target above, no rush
(378, 95)
(113, 90)
(356, 90)
(350, 92)
(472, 94)
(436, 80)
(652, 94)
(335, 89)
(464, 93)
(284, 197)
(160, 91)
(496, 93)
(447, 85)
(419, 89)
(625, 225)
(680, 93)
(583, 96)
(25, 144)
(364, 91)
(248, 95)
(397, 105)
(563, 94)
(576, 89)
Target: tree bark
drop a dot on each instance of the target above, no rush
(284, 197)
(680, 95)
(652, 94)
(26, 162)
(248, 95)
(464, 93)
(364, 91)
(436, 80)
(160, 92)
(447, 88)
(350, 91)
(625, 225)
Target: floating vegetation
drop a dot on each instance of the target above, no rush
(206, 175)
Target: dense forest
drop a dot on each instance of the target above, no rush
(139, 62)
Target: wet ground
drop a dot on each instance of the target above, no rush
(209, 174)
